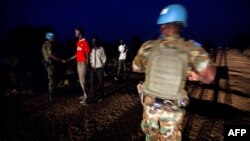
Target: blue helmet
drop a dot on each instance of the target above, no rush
(49, 35)
(173, 13)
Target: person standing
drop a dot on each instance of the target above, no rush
(97, 63)
(82, 56)
(167, 62)
(123, 49)
(48, 61)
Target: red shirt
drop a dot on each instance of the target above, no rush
(82, 50)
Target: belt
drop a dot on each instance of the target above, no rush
(180, 102)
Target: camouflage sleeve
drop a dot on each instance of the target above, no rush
(198, 56)
(43, 49)
(141, 59)
(49, 51)
(46, 50)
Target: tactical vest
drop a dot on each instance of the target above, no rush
(46, 49)
(165, 74)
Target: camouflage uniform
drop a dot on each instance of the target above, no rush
(48, 63)
(162, 117)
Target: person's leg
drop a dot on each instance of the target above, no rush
(161, 122)
(170, 122)
(92, 82)
(150, 122)
(51, 84)
(124, 66)
(84, 79)
(81, 69)
(99, 73)
(119, 67)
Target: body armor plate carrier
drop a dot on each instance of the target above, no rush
(166, 72)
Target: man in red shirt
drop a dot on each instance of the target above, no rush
(82, 55)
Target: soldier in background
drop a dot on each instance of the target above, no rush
(48, 62)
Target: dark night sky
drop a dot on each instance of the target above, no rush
(215, 20)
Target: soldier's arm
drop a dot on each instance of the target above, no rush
(205, 70)
(53, 56)
(140, 61)
(207, 75)
(137, 64)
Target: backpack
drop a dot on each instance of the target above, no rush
(165, 74)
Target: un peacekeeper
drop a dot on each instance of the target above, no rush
(48, 62)
(167, 62)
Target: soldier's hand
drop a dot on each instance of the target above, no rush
(193, 76)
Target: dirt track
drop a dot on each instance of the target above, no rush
(118, 115)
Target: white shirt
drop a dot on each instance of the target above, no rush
(97, 57)
(123, 51)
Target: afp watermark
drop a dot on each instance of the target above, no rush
(233, 132)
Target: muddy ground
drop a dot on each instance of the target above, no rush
(117, 116)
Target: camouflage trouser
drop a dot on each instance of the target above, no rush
(51, 83)
(161, 121)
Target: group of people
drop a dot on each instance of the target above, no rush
(96, 56)
(167, 62)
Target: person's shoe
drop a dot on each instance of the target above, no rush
(83, 101)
